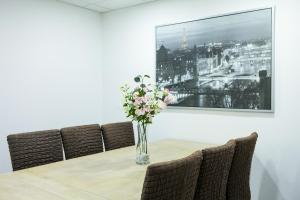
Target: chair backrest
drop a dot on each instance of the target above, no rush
(82, 140)
(214, 172)
(118, 135)
(35, 148)
(238, 186)
(173, 180)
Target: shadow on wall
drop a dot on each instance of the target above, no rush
(5, 165)
(267, 188)
(223, 112)
(295, 185)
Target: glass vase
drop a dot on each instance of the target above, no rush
(142, 154)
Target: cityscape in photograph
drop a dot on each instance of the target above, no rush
(217, 72)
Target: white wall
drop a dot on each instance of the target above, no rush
(50, 68)
(129, 49)
(51, 76)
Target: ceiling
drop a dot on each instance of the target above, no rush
(105, 5)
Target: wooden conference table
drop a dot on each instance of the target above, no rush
(111, 175)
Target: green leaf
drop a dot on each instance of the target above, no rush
(137, 79)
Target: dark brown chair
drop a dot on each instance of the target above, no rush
(35, 148)
(118, 135)
(238, 186)
(82, 140)
(214, 172)
(173, 180)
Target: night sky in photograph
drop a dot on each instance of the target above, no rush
(236, 27)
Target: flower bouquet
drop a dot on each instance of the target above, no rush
(141, 104)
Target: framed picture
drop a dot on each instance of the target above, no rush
(221, 62)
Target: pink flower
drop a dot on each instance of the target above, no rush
(169, 99)
(146, 99)
(146, 109)
(139, 112)
(161, 104)
(137, 100)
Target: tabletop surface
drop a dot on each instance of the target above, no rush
(111, 175)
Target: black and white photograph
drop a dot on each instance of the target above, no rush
(222, 62)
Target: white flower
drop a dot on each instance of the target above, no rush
(160, 94)
(135, 95)
(149, 117)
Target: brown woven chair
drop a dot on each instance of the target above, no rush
(118, 135)
(82, 140)
(214, 172)
(35, 148)
(238, 186)
(173, 180)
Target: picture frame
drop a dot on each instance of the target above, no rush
(222, 62)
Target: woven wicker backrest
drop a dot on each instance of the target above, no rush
(238, 186)
(118, 135)
(173, 180)
(214, 172)
(82, 140)
(35, 148)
